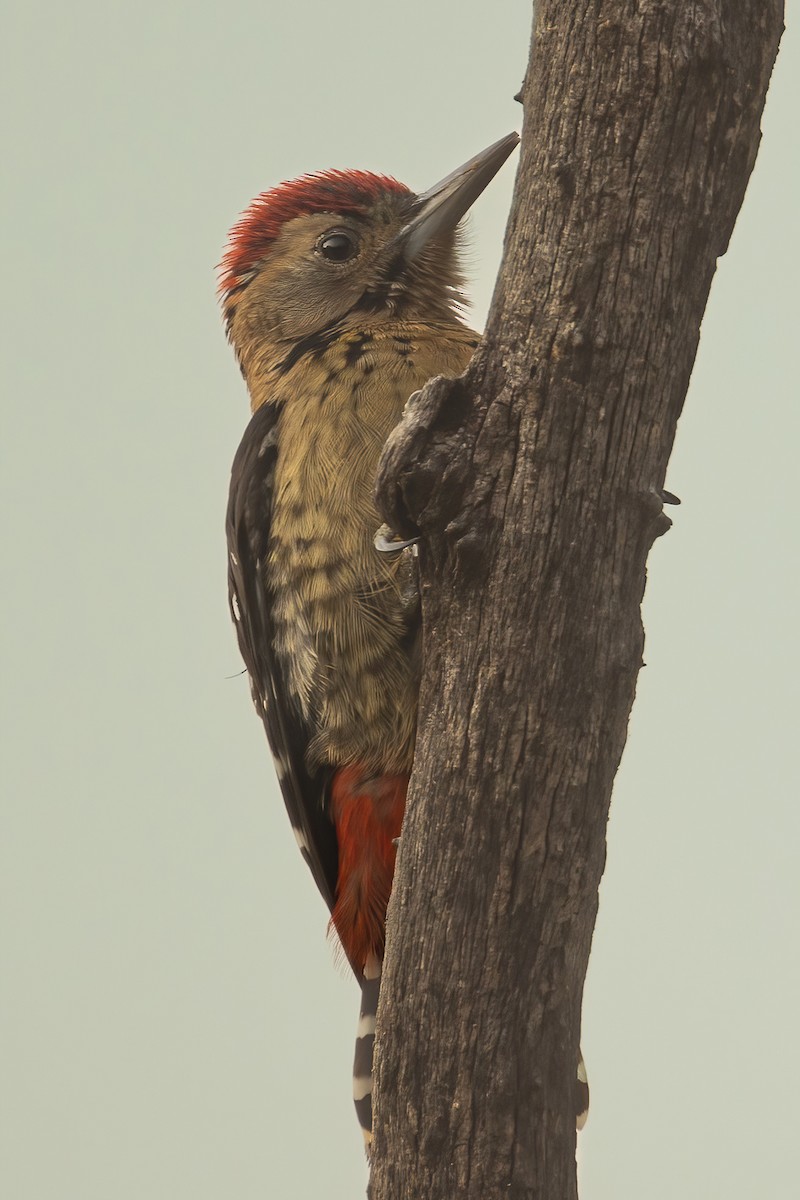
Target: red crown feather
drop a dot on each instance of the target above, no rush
(324, 191)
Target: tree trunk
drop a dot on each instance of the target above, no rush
(536, 481)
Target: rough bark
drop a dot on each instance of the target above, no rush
(535, 481)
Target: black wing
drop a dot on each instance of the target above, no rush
(248, 532)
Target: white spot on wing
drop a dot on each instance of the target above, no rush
(300, 838)
(271, 439)
(582, 1070)
(235, 606)
(362, 1086)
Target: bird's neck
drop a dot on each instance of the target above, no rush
(273, 366)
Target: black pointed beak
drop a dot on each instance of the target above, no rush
(443, 205)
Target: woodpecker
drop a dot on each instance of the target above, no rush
(341, 294)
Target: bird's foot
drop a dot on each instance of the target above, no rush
(388, 542)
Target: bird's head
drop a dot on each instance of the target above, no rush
(339, 248)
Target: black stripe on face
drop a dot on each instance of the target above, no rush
(316, 343)
(388, 287)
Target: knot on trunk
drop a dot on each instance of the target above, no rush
(423, 468)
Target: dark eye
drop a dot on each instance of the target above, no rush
(337, 247)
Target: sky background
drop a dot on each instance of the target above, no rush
(171, 1023)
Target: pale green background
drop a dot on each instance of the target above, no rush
(171, 1024)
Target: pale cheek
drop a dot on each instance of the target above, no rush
(313, 305)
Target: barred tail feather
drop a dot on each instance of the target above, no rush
(581, 1095)
(365, 1044)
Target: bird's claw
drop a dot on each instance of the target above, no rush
(388, 542)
